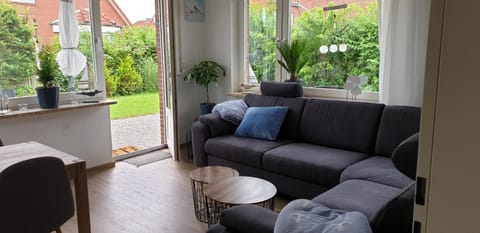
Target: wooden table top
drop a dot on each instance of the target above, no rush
(12, 154)
(212, 173)
(240, 190)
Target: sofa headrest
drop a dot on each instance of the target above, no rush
(282, 89)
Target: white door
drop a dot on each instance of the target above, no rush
(169, 84)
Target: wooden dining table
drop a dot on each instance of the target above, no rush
(76, 169)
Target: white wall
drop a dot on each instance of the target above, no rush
(214, 39)
(84, 133)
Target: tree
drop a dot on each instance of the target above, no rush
(129, 80)
(355, 26)
(262, 40)
(17, 48)
(358, 28)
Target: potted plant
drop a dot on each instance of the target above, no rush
(204, 73)
(294, 57)
(47, 94)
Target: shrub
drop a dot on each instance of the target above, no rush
(129, 80)
(149, 72)
(24, 91)
(111, 81)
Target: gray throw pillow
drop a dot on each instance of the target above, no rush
(306, 216)
(231, 111)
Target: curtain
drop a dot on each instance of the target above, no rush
(403, 46)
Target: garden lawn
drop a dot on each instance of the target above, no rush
(135, 105)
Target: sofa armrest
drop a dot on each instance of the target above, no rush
(207, 126)
(248, 218)
(405, 156)
(217, 228)
(217, 125)
(200, 134)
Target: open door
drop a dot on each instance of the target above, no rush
(168, 72)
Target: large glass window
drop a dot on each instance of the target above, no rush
(25, 30)
(262, 38)
(341, 36)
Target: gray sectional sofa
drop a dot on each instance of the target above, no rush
(337, 152)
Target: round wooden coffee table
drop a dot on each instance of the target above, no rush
(238, 190)
(201, 177)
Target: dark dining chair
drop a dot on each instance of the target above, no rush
(35, 196)
(1, 143)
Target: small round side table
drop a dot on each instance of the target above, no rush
(200, 177)
(238, 190)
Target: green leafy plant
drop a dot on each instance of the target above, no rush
(294, 56)
(48, 70)
(129, 80)
(204, 73)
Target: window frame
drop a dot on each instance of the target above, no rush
(31, 2)
(283, 33)
(98, 57)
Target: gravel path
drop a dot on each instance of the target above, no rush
(142, 132)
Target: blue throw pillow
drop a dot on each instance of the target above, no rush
(262, 122)
(231, 111)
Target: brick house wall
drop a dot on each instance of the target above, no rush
(158, 30)
(43, 12)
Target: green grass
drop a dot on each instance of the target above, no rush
(135, 105)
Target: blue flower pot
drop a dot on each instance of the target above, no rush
(47, 97)
(206, 108)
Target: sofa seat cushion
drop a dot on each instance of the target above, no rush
(377, 169)
(248, 151)
(314, 163)
(359, 195)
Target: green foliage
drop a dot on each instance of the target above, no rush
(294, 56)
(139, 45)
(262, 37)
(204, 73)
(358, 28)
(137, 42)
(111, 81)
(129, 80)
(24, 91)
(355, 26)
(17, 48)
(48, 70)
(149, 73)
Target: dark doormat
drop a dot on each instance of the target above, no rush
(145, 159)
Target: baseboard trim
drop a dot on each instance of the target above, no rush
(108, 165)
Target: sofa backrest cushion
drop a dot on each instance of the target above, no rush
(281, 89)
(397, 124)
(295, 106)
(341, 124)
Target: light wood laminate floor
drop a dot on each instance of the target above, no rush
(155, 198)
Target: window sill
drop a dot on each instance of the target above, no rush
(323, 93)
(61, 108)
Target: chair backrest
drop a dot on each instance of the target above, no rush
(35, 196)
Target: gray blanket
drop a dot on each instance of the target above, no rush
(306, 216)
